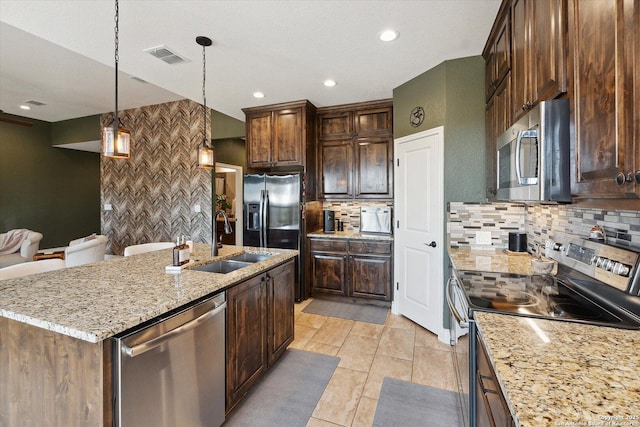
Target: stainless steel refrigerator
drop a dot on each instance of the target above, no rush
(273, 212)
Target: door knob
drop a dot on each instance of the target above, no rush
(433, 244)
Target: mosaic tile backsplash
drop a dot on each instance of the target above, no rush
(349, 211)
(540, 222)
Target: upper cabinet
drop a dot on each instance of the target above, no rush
(355, 151)
(538, 65)
(280, 135)
(497, 55)
(605, 43)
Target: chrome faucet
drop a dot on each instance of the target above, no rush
(214, 231)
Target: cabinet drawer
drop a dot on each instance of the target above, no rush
(328, 245)
(369, 247)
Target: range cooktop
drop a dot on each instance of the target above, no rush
(537, 296)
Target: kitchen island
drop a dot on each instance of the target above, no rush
(55, 355)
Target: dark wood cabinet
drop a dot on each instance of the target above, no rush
(498, 55)
(355, 151)
(336, 160)
(280, 316)
(538, 66)
(604, 38)
(259, 327)
(351, 269)
(374, 167)
(497, 120)
(491, 406)
(328, 266)
(280, 135)
(246, 337)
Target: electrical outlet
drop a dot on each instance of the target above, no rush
(483, 237)
(108, 207)
(196, 208)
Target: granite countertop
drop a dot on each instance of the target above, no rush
(350, 234)
(493, 260)
(96, 301)
(566, 374)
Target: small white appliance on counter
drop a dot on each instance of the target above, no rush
(375, 220)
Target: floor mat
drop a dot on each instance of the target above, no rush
(402, 403)
(360, 312)
(288, 393)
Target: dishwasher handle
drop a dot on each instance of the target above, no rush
(463, 322)
(159, 340)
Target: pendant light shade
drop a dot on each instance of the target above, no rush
(206, 155)
(116, 138)
(117, 147)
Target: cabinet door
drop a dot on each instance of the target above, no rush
(497, 120)
(374, 168)
(520, 45)
(259, 139)
(281, 298)
(329, 273)
(604, 111)
(246, 337)
(336, 125)
(336, 160)
(548, 65)
(373, 121)
(287, 138)
(370, 277)
(499, 58)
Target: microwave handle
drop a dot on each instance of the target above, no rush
(517, 157)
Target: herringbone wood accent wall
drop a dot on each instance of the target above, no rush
(153, 193)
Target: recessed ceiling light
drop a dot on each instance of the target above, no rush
(25, 107)
(388, 35)
(329, 83)
(258, 95)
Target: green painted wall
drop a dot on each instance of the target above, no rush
(82, 129)
(54, 191)
(452, 95)
(223, 126)
(231, 151)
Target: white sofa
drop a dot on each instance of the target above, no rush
(86, 250)
(28, 249)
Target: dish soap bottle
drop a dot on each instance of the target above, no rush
(180, 252)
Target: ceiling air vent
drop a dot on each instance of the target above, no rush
(167, 55)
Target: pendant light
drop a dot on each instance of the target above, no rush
(205, 151)
(115, 137)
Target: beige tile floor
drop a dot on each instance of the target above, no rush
(369, 352)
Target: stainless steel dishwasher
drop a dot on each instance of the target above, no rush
(171, 370)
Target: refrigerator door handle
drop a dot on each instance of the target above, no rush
(265, 223)
(261, 225)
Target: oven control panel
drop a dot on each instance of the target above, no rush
(611, 265)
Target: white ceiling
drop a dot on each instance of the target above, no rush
(61, 52)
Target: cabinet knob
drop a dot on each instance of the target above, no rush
(620, 178)
(631, 177)
(636, 176)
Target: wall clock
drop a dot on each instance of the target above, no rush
(417, 117)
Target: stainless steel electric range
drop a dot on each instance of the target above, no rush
(595, 284)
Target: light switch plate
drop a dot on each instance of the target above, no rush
(108, 207)
(196, 208)
(483, 237)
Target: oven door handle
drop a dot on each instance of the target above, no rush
(451, 286)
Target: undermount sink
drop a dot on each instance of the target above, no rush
(251, 257)
(224, 266)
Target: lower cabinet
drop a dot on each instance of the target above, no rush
(259, 327)
(491, 406)
(359, 269)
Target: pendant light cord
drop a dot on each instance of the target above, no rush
(204, 96)
(116, 57)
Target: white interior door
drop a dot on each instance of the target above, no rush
(419, 233)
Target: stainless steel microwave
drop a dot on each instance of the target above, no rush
(533, 156)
